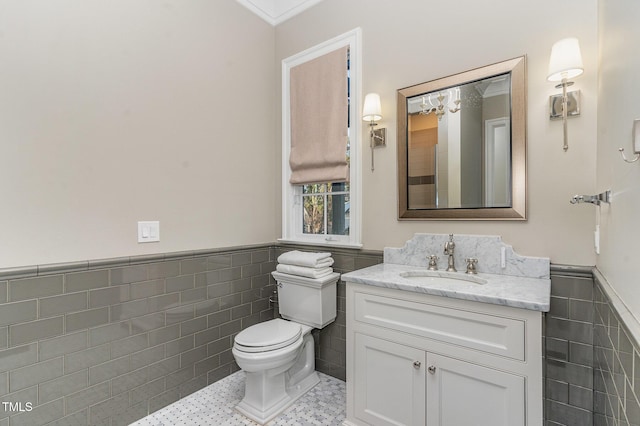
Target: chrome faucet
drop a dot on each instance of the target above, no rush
(449, 248)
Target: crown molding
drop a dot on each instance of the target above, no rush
(277, 11)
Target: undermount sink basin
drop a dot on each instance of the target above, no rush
(441, 277)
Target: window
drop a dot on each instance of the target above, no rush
(324, 212)
(325, 209)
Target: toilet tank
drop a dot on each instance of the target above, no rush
(306, 300)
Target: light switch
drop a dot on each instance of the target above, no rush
(148, 231)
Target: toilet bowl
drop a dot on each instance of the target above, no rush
(278, 356)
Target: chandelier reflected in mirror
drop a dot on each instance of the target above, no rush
(428, 107)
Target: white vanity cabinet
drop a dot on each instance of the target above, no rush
(419, 359)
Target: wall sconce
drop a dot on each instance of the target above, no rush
(565, 63)
(372, 112)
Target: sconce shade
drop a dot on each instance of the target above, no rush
(372, 110)
(565, 60)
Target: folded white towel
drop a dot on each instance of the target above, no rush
(303, 271)
(308, 259)
(324, 263)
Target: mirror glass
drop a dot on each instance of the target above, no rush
(461, 145)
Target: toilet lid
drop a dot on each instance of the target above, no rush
(268, 336)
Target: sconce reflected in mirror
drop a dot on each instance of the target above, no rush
(452, 103)
(372, 112)
(565, 63)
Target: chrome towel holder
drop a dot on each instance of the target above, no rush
(603, 197)
(635, 134)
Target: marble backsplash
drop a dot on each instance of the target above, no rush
(487, 249)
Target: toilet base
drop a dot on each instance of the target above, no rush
(289, 397)
(269, 392)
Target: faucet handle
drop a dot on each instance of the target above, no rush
(449, 246)
(433, 262)
(471, 265)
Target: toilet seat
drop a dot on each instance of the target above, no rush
(268, 336)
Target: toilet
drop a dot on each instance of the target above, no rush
(278, 356)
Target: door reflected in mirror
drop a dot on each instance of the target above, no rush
(461, 146)
(459, 151)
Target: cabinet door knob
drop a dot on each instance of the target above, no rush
(432, 369)
(417, 364)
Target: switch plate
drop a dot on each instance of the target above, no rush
(148, 231)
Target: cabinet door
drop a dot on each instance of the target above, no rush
(389, 386)
(462, 393)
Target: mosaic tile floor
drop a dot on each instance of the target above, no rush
(323, 405)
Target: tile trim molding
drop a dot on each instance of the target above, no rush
(572, 270)
(626, 316)
(57, 268)
(85, 265)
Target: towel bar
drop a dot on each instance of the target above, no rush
(603, 197)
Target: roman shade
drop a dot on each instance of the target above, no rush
(319, 119)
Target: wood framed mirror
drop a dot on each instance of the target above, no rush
(462, 146)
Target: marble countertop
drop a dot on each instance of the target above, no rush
(507, 290)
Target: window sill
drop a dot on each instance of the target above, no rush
(321, 243)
